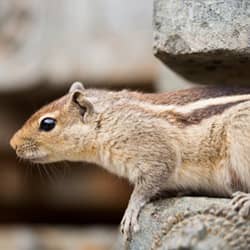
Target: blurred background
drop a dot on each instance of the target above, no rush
(44, 47)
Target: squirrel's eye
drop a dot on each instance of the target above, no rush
(47, 124)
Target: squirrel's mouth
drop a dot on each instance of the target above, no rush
(35, 157)
(40, 159)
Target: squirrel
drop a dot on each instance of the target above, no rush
(195, 140)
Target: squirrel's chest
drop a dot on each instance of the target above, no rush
(119, 162)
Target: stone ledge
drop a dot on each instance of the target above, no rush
(191, 223)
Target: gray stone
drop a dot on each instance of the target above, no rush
(204, 41)
(191, 223)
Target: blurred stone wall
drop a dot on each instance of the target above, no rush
(57, 238)
(60, 41)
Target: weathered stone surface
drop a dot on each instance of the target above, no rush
(58, 41)
(191, 223)
(205, 41)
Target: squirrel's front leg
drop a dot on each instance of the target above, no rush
(154, 171)
(129, 222)
(143, 192)
(241, 203)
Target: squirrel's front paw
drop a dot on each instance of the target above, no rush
(241, 203)
(129, 224)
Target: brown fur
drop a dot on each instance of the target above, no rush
(55, 105)
(236, 183)
(182, 97)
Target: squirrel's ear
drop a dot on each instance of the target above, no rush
(76, 86)
(79, 100)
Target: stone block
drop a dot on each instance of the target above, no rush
(192, 223)
(206, 42)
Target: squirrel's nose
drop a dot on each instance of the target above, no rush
(13, 141)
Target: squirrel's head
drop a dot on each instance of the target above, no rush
(58, 131)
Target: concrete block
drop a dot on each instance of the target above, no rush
(205, 41)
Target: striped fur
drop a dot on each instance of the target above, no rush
(196, 116)
(191, 106)
(182, 97)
